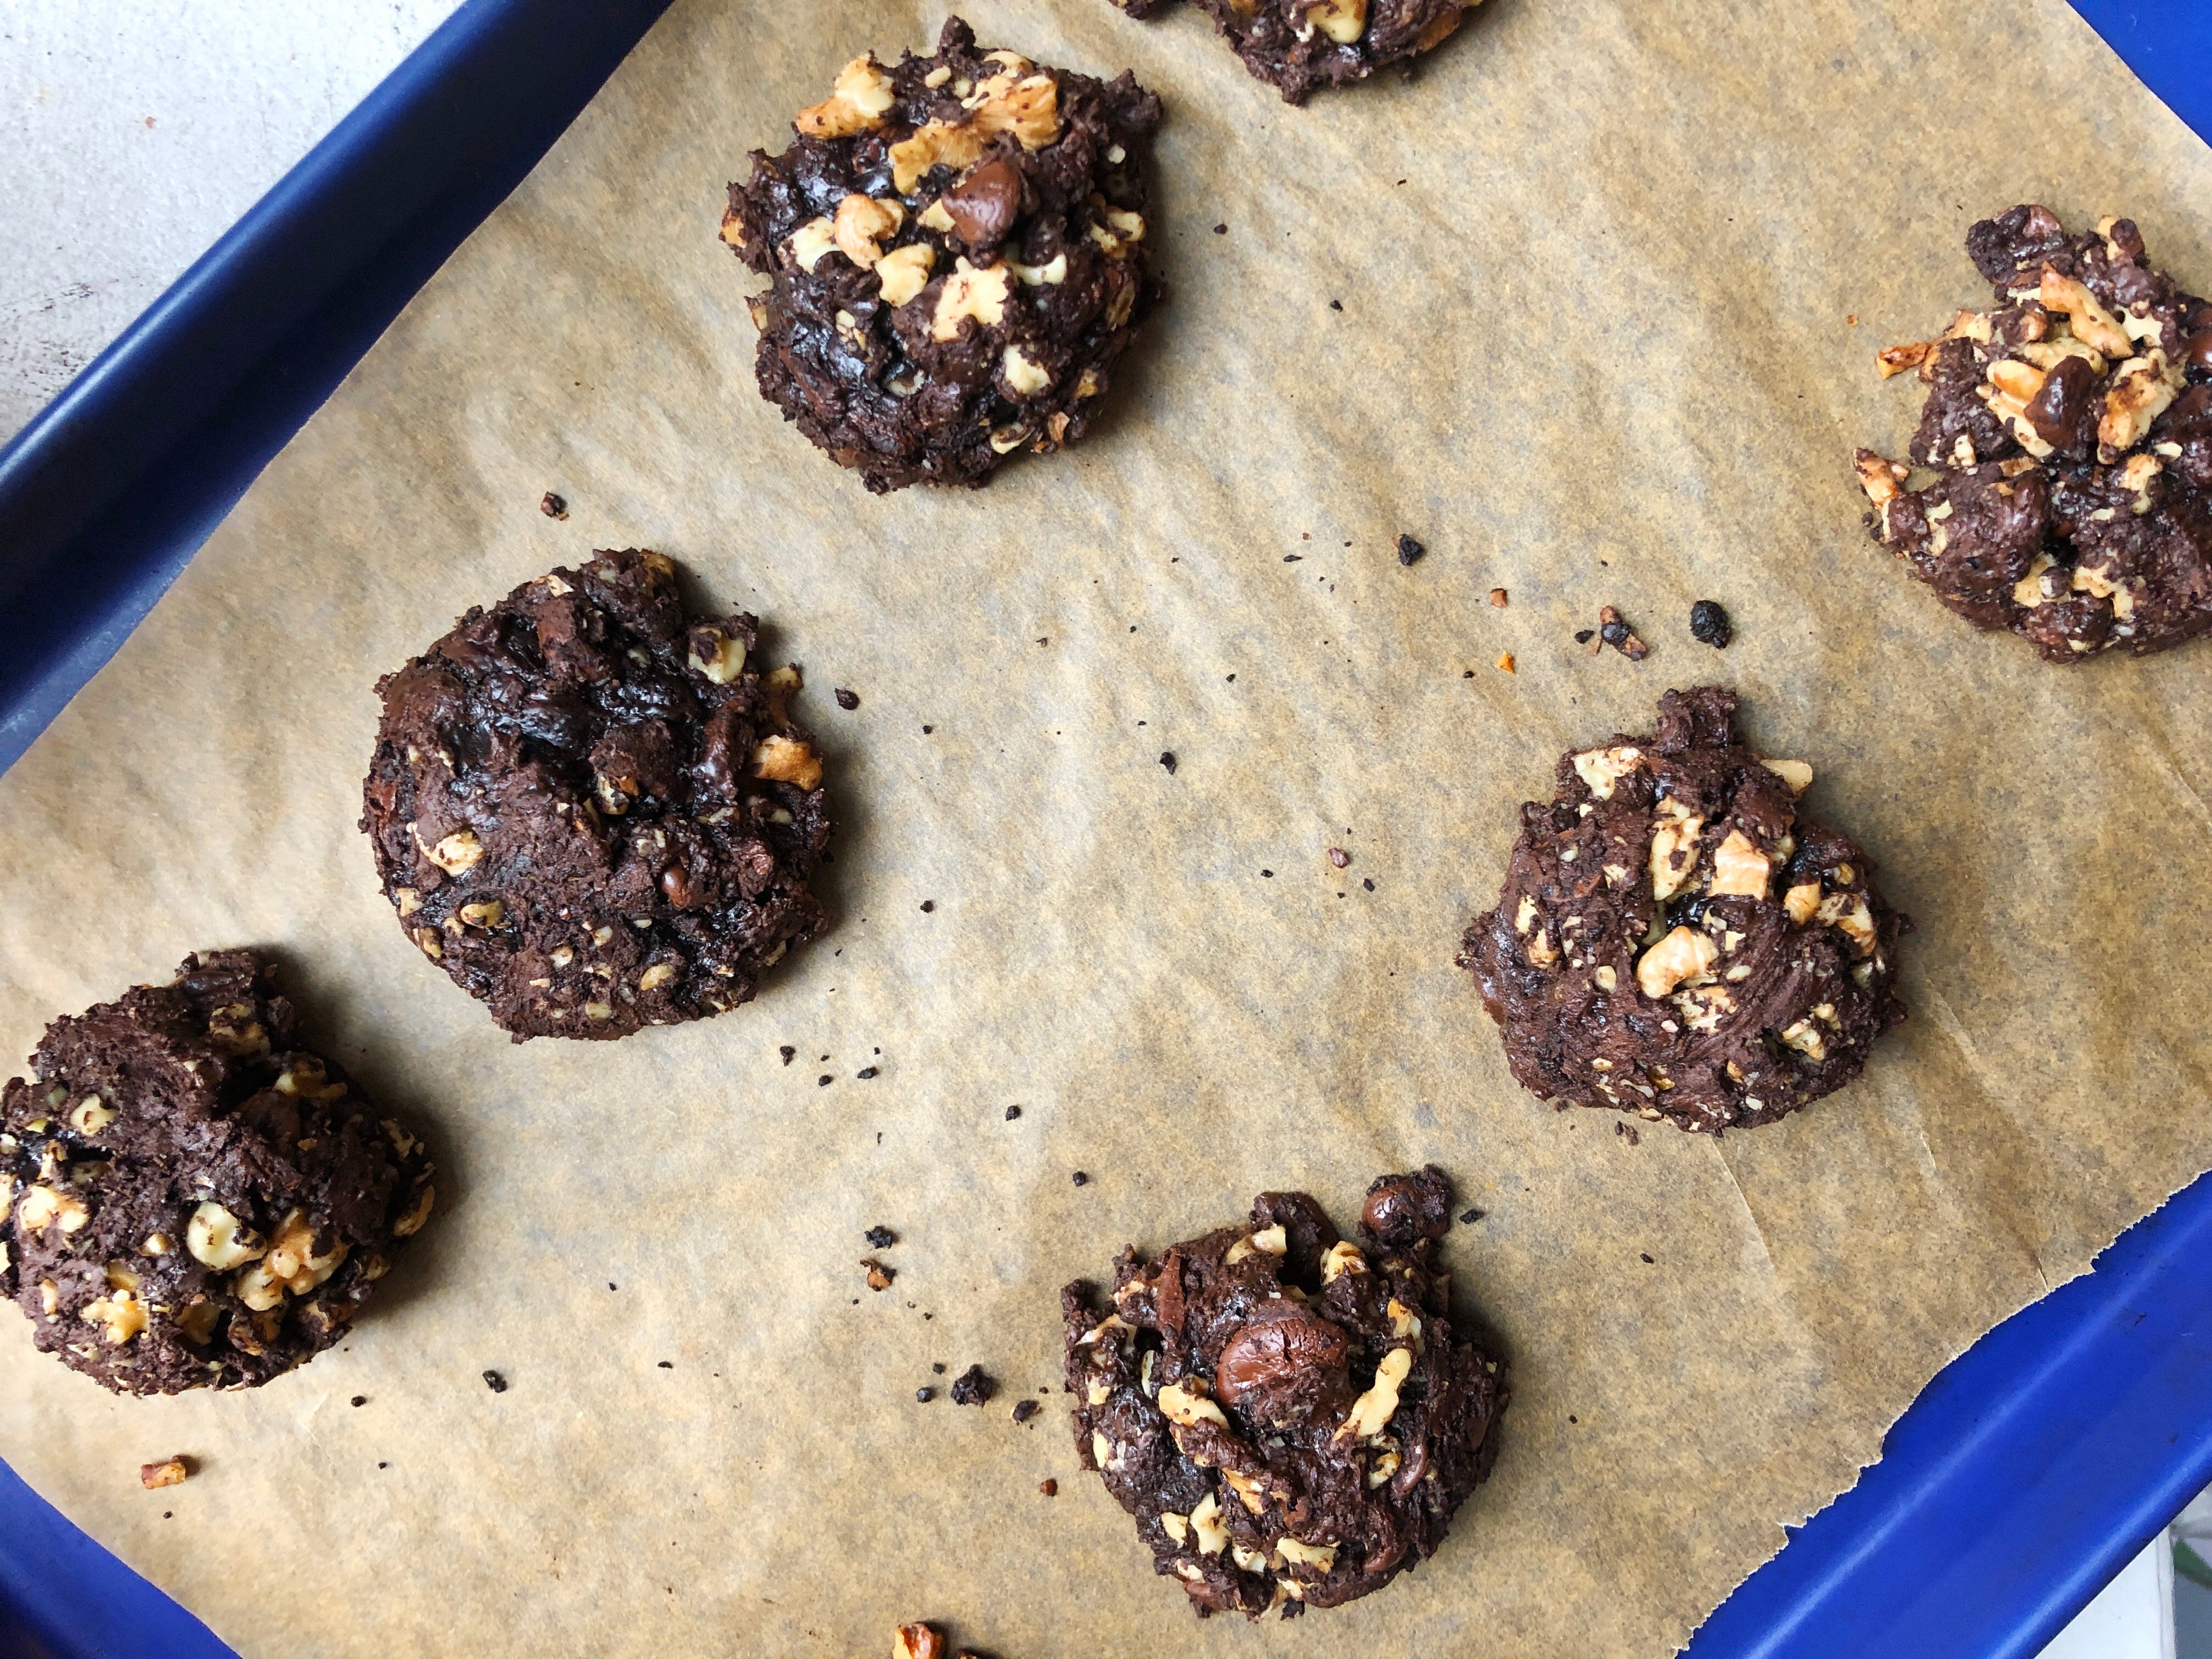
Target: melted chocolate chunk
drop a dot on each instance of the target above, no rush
(2070, 429)
(1290, 1416)
(957, 250)
(198, 1200)
(1296, 45)
(592, 810)
(1675, 938)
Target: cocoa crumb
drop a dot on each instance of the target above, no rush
(1025, 1409)
(553, 507)
(788, 1053)
(880, 1238)
(846, 699)
(1710, 624)
(1168, 760)
(1616, 633)
(1049, 1488)
(1409, 551)
(974, 1387)
(495, 1381)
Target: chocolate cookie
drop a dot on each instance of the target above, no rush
(1296, 46)
(2070, 426)
(188, 1198)
(1676, 940)
(956, 248)
(1289, 1414)
(592, 810)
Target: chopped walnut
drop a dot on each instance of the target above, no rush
(858, 101)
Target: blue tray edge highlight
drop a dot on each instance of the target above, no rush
(2022, 1479)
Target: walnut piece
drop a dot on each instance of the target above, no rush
(1028, 107)
(969, 292)
(904, 272)
(917, 1642)
(1739, 867)
(862, 222)
(1372, 1413)
(216, 1239)
(787, 760)
(1685, 956)
(1342, 21)
(858, 101)
(170, 1472)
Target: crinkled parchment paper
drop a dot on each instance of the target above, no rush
(1598, 268)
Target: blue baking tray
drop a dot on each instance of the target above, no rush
(2022, 1479)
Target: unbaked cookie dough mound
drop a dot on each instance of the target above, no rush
(1290, 1415)
(188, 1197)
(592, 810)
(2070, 428)
(1296, 45)
(1677, 939)
(957, 250)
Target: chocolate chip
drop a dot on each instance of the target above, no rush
(1710, 624)
(880, 1238)
(553, 507)
(788, 1053)
(1286, 1366)
(1168, 760)
(984, 205)
(974, 1387)
(495, 1381)
(846, 699)
(2195, 351)
(1081, 1179)
(1409, 550)
(1025, 1409)
(2056, 409)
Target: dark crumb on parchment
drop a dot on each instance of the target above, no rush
(879, 1276)
(974, 1387)
(1409, 551)
(1616, 633)
(1584, 636)
(923, 1396)
(928, 906)
(1049, 1488)
(1025, 1409)
(1082, 1179)
(1168, 760)
(1626, 1132)
(495, 1381)
(864, 1072)
(880, 1238)
(846, 699)
(788, 1053)
(1468, 1217)
(553, 507)
(360, 1400)
(1710, 624)
(1368, 883)
(1012, 1112)
(822, 1082)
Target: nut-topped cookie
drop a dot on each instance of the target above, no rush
(956, 247)
(1297, 45)
(1290, 1415)
(593, 809)
(1676, 938)
(2069, 427)
(189, 1198)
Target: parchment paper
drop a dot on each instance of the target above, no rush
(1598, 269)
